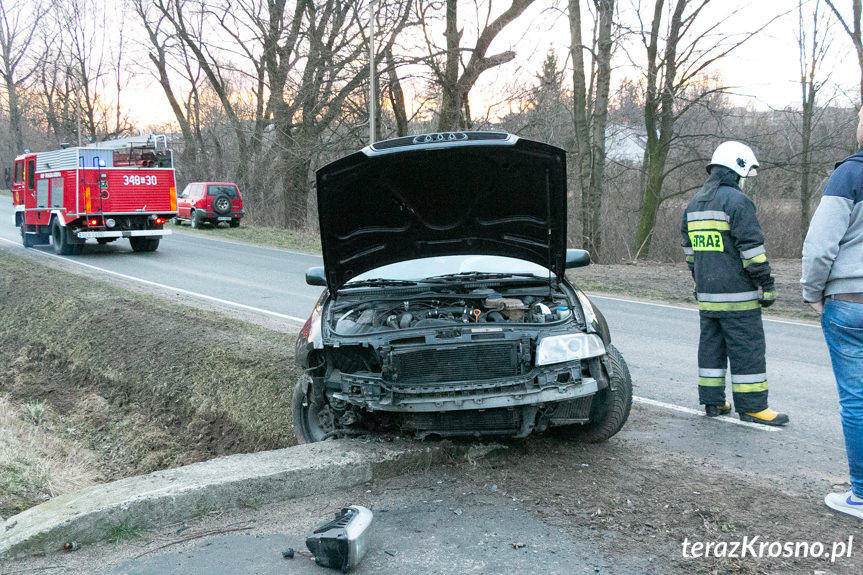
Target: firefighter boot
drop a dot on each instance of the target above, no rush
(766, 417)
(715, 410)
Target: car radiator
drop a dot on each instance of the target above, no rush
(455, 363)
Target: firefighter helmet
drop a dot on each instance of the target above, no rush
(736, 157)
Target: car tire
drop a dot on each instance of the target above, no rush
(27, 240)
(222, 204)
(144, 244)
(194, 220)
(235, 223)
(60, 237)
(174, 221)
(609, 409)
(308, 427)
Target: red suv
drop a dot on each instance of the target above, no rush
(211, 202)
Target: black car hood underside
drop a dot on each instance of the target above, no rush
(405, 199)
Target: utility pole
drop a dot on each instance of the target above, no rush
(372, 78)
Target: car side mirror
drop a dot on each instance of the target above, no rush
(576, 259)
(315, 276)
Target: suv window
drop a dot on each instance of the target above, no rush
(230, 191)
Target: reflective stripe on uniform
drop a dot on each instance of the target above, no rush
(728, 297)
(756, 260)
(752, 252)
(749, 387)
(711, 381)
(707, 225)
(754, 255)
(708, 372)
(690, 259)
(729, 306)
(707, 215)
(749, 378)
(688, 250)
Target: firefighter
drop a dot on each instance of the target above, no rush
(724, 250)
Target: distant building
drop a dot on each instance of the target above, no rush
(625, 143)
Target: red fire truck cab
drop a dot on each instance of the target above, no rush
(105, 191)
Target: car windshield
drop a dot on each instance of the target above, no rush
(454, 268)
(218, 190)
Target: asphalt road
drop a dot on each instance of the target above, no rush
(658, 341)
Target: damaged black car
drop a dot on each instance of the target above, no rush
(447, 311)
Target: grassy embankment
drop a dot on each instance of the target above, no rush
(97, 383)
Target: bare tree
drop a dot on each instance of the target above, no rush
(674, 60)
(19, 21)
(590, 114)
(854, 31)
(454, 79)
(812, 55)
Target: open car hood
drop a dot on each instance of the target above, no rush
(453, 193)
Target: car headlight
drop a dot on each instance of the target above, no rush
(570, 347)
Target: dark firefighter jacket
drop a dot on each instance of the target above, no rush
(724, 246)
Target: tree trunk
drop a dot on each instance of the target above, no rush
(590, 127)
(659, 118)
(396, 96)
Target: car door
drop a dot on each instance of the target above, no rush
(183, 202)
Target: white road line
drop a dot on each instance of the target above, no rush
(690, 411)
(669, 306)
(167, 287)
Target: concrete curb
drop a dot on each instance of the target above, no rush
(184, 493)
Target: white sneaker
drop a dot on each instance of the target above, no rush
(845, 503)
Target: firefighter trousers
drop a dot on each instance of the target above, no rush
(736, 338)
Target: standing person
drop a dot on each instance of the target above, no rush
(833, 285)
(724, 249)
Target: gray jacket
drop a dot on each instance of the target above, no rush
(833, 249)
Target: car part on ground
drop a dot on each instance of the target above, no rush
(342, 542)
(453, 318)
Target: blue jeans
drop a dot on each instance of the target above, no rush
(842, 323)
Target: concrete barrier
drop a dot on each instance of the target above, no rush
(224, 483)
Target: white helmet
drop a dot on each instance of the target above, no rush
(736, 157)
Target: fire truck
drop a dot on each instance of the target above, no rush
(105, 191)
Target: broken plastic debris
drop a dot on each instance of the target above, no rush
(71, 546)
(288, 553)
(342, 542)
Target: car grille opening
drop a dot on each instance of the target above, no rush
(490, 421)
(423, 366)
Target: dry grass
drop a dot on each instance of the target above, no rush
(304, 240)
(35, 464)
(85, 369)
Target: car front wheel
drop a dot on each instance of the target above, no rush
(312, 423)
(609, 409)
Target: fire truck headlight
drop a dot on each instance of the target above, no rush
(110, 222)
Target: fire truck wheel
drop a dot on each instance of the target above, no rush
(60, 239)
(27, 240)
(144, 244)
(194, 221)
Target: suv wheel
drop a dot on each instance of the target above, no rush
(609, 409)
(312, 422)
(194, 220)
(221, 204)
